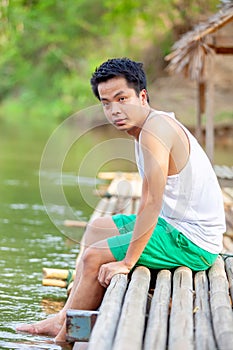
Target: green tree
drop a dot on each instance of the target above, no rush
(49, 48)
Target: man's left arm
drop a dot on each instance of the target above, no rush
(156, 153)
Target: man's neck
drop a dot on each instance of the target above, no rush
(135, 131)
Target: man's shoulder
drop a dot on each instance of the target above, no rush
(161, 123)
(158, 131)
(156, 112)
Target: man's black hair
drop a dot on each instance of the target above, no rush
(120, 67)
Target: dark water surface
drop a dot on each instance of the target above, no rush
(29, 240)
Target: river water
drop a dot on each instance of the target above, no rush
(31, 220)
(28, 242)
(32, 234)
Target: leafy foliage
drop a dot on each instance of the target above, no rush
(50, 48)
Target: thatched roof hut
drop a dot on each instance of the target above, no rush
(193, 56)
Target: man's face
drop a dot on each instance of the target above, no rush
(123, 108)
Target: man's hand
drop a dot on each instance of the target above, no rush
(107, 271)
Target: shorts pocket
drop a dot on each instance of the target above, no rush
(205, 261)
(209, 258)
(182, 242)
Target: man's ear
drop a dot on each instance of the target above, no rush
(143, 96)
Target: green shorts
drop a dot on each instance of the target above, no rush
(167, 248)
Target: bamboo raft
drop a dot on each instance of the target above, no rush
(224, 172)
(164, 309)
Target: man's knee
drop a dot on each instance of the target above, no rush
(104, 224)
(92, 259)
(94, 226)
(96, 255)
(99, 229)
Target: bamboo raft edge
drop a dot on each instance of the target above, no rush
(172, 290)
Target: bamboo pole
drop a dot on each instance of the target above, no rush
(229, 269)
(136, 206)
(100, 209)
(104, 330)
(130, 330)
(204, 337)
(57, 277)
(220, 304)
(60, 274)
(75, 223)
(112, 175)
(181, 318)
(228, 243)
(156, 331)
(50, 282)
(80, 346)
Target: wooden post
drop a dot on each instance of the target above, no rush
(200, 109)
(210, 112)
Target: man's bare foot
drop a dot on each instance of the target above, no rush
(50, 326)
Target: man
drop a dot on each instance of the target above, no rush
(180, 220)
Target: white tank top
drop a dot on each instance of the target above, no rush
(192, 200)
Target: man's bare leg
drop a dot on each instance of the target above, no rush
(89, 293)
(98, 230)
